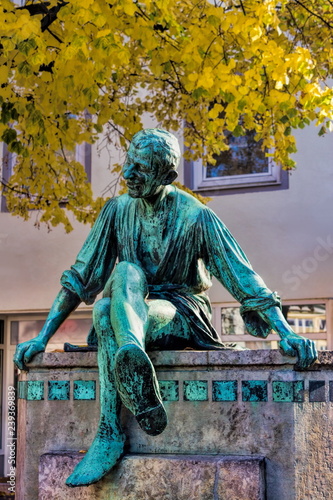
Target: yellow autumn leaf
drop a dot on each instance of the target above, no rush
(211, 66)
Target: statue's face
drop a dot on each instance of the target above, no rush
(142, 176)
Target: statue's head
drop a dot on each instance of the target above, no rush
(151, 163)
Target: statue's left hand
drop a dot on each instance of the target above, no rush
(305, 349)
(27, 350)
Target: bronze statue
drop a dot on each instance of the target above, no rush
(168, 245)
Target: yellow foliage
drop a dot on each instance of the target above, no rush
(206, 63)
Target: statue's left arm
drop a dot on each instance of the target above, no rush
(260, 307)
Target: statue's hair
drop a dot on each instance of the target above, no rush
(164, 147)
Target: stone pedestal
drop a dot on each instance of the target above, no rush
(228, 404)
(158, 477)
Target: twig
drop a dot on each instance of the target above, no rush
(55, 36)
(314, 13)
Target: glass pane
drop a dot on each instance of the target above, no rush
(232, 323)
(308, 318)
(304, 319)
(14, 325)
(243, 157)
(72, 330)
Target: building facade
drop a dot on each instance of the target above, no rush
(282, 221)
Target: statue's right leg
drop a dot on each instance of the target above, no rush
(134, 372)
(108, 445)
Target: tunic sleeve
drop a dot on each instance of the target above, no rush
(226, 261)
(96, 258)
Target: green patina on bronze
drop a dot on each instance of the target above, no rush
(282, 391)
(169, 390)
(84, 390)
(168, 246)
(287, 392)
(225, 390)
(22, 388)
(35, 390)
(254, 390)
(58, 390)
(195, 390)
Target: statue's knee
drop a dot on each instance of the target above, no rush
(128, 276)
(101, 311)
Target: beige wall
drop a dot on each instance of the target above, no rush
(277, 230)
(282, 229)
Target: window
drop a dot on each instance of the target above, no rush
(244, 165)
(81, 154)
(307, 318)
(74, 330)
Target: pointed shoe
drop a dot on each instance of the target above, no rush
(138, 388)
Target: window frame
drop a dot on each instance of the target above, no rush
(9, 369)
(195, 178)
(203, 183)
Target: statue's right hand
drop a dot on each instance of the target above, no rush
(27, 350)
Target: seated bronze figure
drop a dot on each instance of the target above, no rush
(168, 246)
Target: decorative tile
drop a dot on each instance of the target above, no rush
(59, 390)
(331, 391)
(169, 390)
(22, 388)
(299, 391)
(225, 390)
(84, 389)
(195, 390)
(288, 392)
(35, 390)
(254, 390)
(317, 391)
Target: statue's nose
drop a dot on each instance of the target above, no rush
(128, 171)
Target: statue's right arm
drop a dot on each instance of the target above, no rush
(65, 302)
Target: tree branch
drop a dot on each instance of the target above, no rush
(47, 67)
(54, 35)
(51, 16)
(243, 9)
(314, 13)
(42, 8)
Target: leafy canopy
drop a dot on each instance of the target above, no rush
(70, 70)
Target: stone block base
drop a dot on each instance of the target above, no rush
(219, 403)
(163, 477)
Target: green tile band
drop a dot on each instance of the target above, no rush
(254, 390)
(288, 392)
(22, 388)
(84, 390)
(35, 391)
(224, 390)
(195, 390)
(169, 390)
(58, 390)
